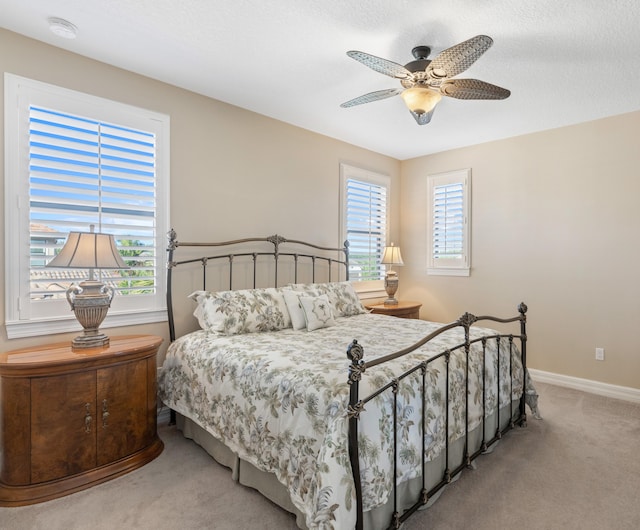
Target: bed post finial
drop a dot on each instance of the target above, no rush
(522, 309)
(173, 242)
(275, 240)
(467, 320)
(355, 353)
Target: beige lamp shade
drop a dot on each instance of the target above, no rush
(392, 256)
(89, 250)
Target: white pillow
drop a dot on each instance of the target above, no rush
(317, 312)
(296, 314)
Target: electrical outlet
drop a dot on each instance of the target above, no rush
(599, 354)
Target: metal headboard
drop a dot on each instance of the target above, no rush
(332, 258)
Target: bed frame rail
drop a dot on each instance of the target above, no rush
(357, 404)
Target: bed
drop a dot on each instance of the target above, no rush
(345, 418)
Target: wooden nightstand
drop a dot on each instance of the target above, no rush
(402, 309)
(70, 419)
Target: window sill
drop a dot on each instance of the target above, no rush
(36, 328)
(369, 292)
(449, 272)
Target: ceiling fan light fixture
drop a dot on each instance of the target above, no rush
(420, 100)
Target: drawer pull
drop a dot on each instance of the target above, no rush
(105, 413)
(87, 418)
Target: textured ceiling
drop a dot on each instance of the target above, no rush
(565, 62)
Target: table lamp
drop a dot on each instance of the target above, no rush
(90, 300)
(391, 257)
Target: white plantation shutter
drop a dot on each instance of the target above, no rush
(365, 206)
(82, 161)
(83, 173)
(449, 223)
(366, 229)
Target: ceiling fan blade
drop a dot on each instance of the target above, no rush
(458, 58)
(472, 89)
(424, 117)
(381, 65)
(372, 96)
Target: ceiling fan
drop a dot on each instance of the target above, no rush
(425, 81)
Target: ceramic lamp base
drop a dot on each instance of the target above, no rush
(81, 342)
(90, 303)
(391, 286)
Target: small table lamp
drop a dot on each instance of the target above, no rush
(91, 299)
(391, 257)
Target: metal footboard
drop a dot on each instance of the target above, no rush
(357, 404)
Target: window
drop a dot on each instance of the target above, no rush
(364, 207)
(72, 161)
(449, 225)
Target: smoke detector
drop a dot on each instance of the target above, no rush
(62, 28)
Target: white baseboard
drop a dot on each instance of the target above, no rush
(586, 385)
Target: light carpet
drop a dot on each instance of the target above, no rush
(577, 468)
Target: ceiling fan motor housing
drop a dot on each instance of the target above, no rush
(420, 64)
(417, 65)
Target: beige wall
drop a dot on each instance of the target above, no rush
(233, 173)
(555, 217)
(555, 224)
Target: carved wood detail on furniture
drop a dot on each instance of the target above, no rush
(403, 309)
(70, 419)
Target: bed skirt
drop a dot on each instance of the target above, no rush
(271, 488)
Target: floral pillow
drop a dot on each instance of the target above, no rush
(317, 312)
(342, 296)
(243, 311)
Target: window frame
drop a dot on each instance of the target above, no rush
(454, 266)
(20, 93)
(370, 288)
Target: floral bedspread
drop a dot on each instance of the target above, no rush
(279, 399)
